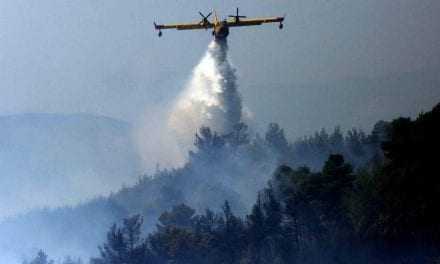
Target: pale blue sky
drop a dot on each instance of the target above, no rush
(344, 62)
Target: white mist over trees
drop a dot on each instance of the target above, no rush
(211, 97)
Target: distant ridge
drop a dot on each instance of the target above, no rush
(56, 153)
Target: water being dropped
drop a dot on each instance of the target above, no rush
(210, 98)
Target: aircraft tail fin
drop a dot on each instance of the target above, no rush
(215, 17)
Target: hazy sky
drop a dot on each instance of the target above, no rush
(344, 62)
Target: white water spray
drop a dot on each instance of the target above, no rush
(210, 98)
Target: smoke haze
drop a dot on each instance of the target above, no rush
(335, 63)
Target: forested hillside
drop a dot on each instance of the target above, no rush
(231, 167)
(383, 212)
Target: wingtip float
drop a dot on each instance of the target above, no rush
(220, 28)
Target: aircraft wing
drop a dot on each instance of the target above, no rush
(184, 26)
(254, 21)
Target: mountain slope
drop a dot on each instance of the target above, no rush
(49, 160)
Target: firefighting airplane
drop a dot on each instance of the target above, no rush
(221, 28)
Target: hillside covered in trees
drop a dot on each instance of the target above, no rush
(231, 167)
(381, 211)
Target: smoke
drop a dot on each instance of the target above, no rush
(157, 145)
(211, 97)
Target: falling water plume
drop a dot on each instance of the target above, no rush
(211, 97)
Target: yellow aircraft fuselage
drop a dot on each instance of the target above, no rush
(221, 30)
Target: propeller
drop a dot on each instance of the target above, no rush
(237, 16)
(205, 21)
(281, 26)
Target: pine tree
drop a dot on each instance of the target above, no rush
(41, 258)
(124, 245)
